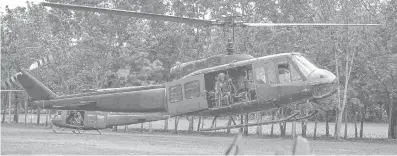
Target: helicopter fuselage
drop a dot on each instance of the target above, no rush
(236, 87)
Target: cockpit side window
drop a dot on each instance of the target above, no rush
(287, 72)
(295, 76)
(260, 75)
(284, 72)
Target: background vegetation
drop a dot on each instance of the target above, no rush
(93, 49)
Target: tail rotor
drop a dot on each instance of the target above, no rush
(11, 82)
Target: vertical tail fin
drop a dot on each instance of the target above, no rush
(34, 87)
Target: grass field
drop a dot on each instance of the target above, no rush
(17, 139)
(371, 130)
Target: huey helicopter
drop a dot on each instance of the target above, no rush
(220, 85)
(96, 120)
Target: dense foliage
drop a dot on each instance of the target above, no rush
(93, 49)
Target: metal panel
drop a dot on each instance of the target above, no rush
(267, 90)
(291, 89)
(178, 105)
(100, 122)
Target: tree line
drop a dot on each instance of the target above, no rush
(95, 50)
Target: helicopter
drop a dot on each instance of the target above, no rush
(96, 120)
(221, 85)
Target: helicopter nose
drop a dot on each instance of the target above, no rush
(323, 83)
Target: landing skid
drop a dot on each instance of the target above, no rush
(75, 131)
(287, 119)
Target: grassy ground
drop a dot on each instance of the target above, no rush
(371, 130)
(39, 140)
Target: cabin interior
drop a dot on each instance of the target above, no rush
(233, 85)
(75, 117)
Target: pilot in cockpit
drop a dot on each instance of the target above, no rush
(284, 74)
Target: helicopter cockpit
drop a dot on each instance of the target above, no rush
(276, 77)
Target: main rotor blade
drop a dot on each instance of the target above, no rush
(133, 14)
(302, 24)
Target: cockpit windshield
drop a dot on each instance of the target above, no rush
(305, 66)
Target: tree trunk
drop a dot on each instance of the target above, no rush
(293, 129)
(198, 124)
(4, 103)
(259, 120)
(16, 114)
(9, 106)
(31, 116)
(271, 129)
(26, 98)
(229, 123)
(362, 125)
(336, 121)
(283, 125)
(150, 127)
(346, 122)
(315, 129)
(176, 124)
(202, 123)
(166, 125)
(326, 123)
(391, 118)
(46, 117)
(338, 103)
(191, 123)
(394, 122)
(141, 127)
(355, 126)
(342, 110)
(242, 122)
(38, 116)
(355, 130)
(246, 127)
(304, 124)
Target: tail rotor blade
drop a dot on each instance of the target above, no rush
(41, 62)
(13, 80)
(10, 82)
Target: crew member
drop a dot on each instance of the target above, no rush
(222, 90)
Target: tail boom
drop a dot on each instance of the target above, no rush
(152, 100)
